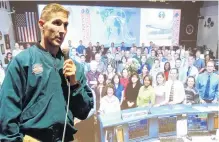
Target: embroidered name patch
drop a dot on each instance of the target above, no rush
(37, 68)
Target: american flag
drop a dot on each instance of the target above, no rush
(25, 25)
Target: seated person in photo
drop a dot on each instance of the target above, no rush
(207, 85)
(160, 89)
(167, 68)
(8, 58)
(192, 96)
(109, 103)
(175, 92)
(131, 92)
(145, 72)
(199, 63)
(100, 89)
(146, 94)
(124, 80)
(93, 74)
(119, 89)
(101, 67)
(81, 48)
(191, 70)
(155, 70)
(85, 64)
(17, 50)
(110, 72)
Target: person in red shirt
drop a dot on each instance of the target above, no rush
(124, 80)
(166, 70)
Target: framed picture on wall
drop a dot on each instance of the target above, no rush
(2, 48)
(7, 41)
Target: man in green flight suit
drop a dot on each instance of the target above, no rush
(34, 94)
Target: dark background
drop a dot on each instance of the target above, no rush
(189, 12)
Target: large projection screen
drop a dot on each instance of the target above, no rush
(122, 24)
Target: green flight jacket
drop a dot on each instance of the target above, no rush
(34, 94)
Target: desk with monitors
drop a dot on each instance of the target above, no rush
(136, 125)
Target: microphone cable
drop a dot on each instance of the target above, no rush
(67, 110)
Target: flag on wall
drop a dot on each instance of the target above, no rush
(25, 25)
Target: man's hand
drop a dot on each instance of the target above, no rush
(69, 71)
(76, 121)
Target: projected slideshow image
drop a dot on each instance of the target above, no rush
(116, 24)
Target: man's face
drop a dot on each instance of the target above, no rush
(173, 74)
(82, 59)
(127, 54)
(210, 67)
(142, 44)
(178, 63)
(97, 57)
(55, 29)
(21, 47)
(160, 56)
(90, 44)
(16, 46)
(119, 48)
(143, 59)
(176, 56)
(169, 57)
(80, 42)
(156, 63)
(73, 51)
(93, 67)
(198, 54)
(191, 61)
(98, 44)
(69, 43)
(139, 52)
(117, 57)
(152, 53)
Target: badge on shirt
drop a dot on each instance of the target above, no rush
(37, 69)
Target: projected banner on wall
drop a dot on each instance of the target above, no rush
(116, 24)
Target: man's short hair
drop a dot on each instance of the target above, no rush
(177, 71)
(52, 8)
(82, 55)
(156, 59)
(178, 59)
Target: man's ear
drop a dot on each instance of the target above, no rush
(41, 24)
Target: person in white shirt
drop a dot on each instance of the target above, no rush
(109, 103)
(171, 60)
(17, 50)
(160, 89)
(155, 70)
(175, 92)
(191, 70)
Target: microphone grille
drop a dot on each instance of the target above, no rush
(65, 52)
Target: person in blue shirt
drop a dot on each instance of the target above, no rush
(199, 63)
(150, 47)
(123, 46)
(119, 89)
(81, 48)
(207, 85)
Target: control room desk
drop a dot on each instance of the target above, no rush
(137, 125)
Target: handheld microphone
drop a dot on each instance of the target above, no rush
(65, 52)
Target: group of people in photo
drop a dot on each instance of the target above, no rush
(124, 77)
